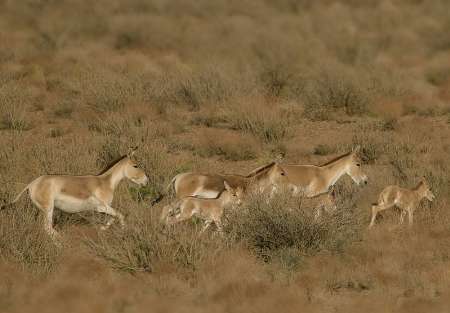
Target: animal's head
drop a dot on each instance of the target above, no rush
(235, 195)
(132, 170)
(425, 190)
(277, 175)
(354, 167)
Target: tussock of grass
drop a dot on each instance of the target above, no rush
(268, 123)
(24, 240)
(269, 226)
(13, 105)
(149, 246)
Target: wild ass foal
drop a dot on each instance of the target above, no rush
(405, 199)
(210, 210)
(73, 194)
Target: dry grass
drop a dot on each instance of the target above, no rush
(222, 86)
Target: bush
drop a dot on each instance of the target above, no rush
(269, 226)
(230, 147)
(323, 149)
(148, 245)
(332, 90)
(13, 104)
(24, 240)
(269, 123)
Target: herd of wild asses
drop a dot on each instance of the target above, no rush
(206, 195)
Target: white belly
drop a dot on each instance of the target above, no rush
(74, 205)
(207, 194)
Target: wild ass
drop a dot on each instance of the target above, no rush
(210, 210)
(211, 185)
(405, 199)
(312, 180)
(73, 194)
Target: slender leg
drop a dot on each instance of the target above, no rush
(166, 213)
(318, 213)
(402, 216)
(374, 215)
(207, 224)
(219, 226)
(410, 217)
(47, 208)
(376, 209)
(49, 222)
(110, 211)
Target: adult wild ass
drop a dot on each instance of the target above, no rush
(312, 180)
(73, 194)
(211, 185)
(405, 199)
(210, 210)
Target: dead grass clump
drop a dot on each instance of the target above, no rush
(149, 246)
(13, 105)
(332, 90)
(105, 90)
(270, 226)
(227, 145)
(196, 87)
(323, 149)
(24, 240)
(269, 123)
(64, 109)
(389, 124)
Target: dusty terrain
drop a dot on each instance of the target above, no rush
(226, 86)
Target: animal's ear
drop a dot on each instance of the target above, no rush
(227, 186)
(282, 172)
(131, 151)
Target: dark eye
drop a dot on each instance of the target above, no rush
(135, 166)
(283, 174)
(358, 164)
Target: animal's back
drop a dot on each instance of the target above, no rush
(390, 194)
(300, 175)
(199, 184)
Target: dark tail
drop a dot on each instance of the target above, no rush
(157, 199)
(161, 196)
(7, 205)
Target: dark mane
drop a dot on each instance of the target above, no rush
(114, 162)
(336, 159)
(260, 170)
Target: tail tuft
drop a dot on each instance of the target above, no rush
(157, 199)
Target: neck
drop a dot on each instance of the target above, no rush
(335, 170)
(419, 192)
(114, 175)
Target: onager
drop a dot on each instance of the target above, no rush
(264, 178)
(312, 180)
(406, 200)
(209, 210)
(73, 194)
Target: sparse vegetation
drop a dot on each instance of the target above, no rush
(225, 86)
